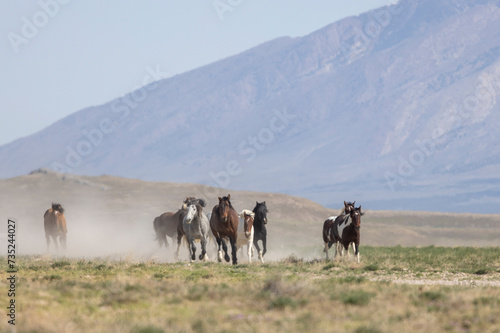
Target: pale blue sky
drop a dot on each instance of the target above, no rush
(84, 53)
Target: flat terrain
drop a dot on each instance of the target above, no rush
(114, 216)
(393, 289)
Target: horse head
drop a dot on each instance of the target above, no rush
(355, 215)
(248, 222)
(186, 202)
(224, 207)
(261, 211)
(194, 210)
(348, 207)
(57, 207)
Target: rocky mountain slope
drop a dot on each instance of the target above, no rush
(396, 108)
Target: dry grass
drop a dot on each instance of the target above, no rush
(293, 295)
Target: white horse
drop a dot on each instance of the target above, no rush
(246, 232)
(195, 225)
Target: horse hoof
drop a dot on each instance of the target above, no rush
(226, 257)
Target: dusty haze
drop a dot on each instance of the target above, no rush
(113, 217)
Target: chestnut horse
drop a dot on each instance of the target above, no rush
(54, 224)
(224, 223)
(246, 232)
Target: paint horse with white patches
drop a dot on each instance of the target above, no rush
(333, 228)
(54, 223)
(246, 232)
(195, 226)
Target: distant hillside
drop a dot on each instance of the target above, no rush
(109, 215)
(396, 107)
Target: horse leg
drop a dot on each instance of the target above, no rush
(62, 239)
(203, 255)
(326, 250)
(249, 251)
(165, 241)
(47, 237)
(179, 238)
(224, 247)
(56, 243)
(234, 249)
(256, 243)
(192, 249)
(356, 250)
(219, 251)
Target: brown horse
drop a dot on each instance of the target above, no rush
(54, 224)
(167, 224)
(224, 223)
(351, 233)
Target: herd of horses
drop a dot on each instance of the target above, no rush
(223, 224)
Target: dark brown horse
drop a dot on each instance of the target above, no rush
(224, 223)
(351, 233)
(54, 224)
(167, 224)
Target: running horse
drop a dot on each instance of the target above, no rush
(334, 225)
(54, 224)
(260, 231)
(167, 223)
(195, 226)
(224, 224)
(246, 232)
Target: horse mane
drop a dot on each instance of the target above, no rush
(229, 201)
(58, 207)
(248, 212)
(261, 205)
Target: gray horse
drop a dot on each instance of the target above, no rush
(195, 226)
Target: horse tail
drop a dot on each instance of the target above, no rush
(156, 226)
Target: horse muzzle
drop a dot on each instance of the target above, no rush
(247, 234)
(224, 219)
(188, 221)
(265, 220)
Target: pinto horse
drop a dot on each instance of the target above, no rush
(259, 225)
(195, 226)
(224, 223)
(334, 226)
(167, 223)
(246, 232)
(54, 224)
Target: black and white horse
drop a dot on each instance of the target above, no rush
(260, 231)
(343, 230)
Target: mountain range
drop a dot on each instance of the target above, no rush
(394, 108)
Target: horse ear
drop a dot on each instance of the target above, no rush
(256, 203)
(229, 197)
(220, 199)
(354, 203)
(345, 203)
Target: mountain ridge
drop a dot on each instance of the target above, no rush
(391, 106)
